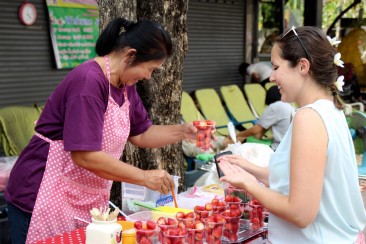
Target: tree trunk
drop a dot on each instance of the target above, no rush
(161, 95)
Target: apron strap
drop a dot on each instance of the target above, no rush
(43, 137)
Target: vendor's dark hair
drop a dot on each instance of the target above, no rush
(319, 52)
(149, 39)
(273, 95)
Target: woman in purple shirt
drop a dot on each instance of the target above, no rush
(71, 161)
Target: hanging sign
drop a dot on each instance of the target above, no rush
(74, 29)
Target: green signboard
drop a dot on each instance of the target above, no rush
(74, 28)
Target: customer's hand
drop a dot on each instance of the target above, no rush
(159, 180)
(235, 160)
(239, 179)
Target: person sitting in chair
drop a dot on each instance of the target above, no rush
(277, 117)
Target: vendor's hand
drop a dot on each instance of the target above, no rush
(240, 179)
(159, 180)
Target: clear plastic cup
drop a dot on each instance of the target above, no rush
(195, 236)
(213, 231)
(256, 217)
(232, 226)
(202, 213)
(177, 236)
(217, 209)
(145, 236)
(204, 128)
(237, 192)
(163, 228)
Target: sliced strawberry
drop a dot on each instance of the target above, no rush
(199, 225)
(208, 206)
(161, 221)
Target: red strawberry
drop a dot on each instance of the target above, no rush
(209, 122)
(138, 225)
(199, 235)
(233, 237)
(234, 206)
(161, 221)
(198, 208)
(236, 199)
(190, 215)
(255, 220)
(204, 214)
(215, 201)
(222, 204)
(151, 225)
(171, 221)
(217, 231)
(229, 198)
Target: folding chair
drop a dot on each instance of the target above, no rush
(188, 108)
(211, 106)
(256, 95)
(237, 105)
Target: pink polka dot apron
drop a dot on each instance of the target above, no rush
(67, 190)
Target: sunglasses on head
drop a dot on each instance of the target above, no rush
(293, 29)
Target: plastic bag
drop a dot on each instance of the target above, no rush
(255, 153)
(6, 164)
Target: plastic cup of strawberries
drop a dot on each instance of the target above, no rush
(176, 236)
(256, 215)
(214, 226)
(218, 206)
(232, 223)
(204, 128)
(145, 231)
(203, 212)
(165, 224)
(195, 230)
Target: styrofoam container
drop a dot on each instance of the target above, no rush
(136, 192)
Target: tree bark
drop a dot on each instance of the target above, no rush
(161, 95)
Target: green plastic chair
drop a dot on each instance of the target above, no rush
(237, 105)
(188, 108)
(211, 106)
(256, 95)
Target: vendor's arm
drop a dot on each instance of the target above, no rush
(307, 168)
(107, 167)
(161, 135)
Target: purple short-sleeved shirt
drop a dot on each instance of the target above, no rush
(74, 113)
